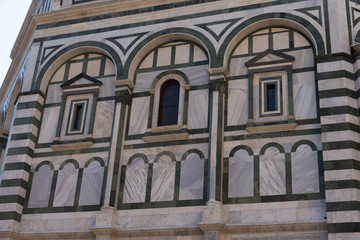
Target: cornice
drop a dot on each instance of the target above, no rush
(101, 8)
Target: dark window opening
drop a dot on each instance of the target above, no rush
(169, 103)
(271, 99)
(77, 117)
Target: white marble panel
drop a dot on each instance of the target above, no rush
(192, 178)
(197, 75)
(75, 69)
(49, 124)
(66, 186)
(139, 115)
(281, 40)
(163, 180)
(40, 188)
(103, 119)
(108, 87)
(243, 47)
(54, 94)
(59, 75)
(199, 54)
(148, 61)
(182, 54)
(135, 181)
(109, 67)
(198, 109)
(300, 41)
(93, 68)
(272, 173)
(91, 184)
(304, 93)
(164, 56)
(237, 102)
(237, 66)
(304, 168)
(241, 175)
(260, 43)
(303, 58)
(144, 81)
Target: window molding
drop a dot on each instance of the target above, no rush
(270, 67)
(177, 131)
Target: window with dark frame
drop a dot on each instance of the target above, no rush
(270, 97)
(169, 103)
(77, 117)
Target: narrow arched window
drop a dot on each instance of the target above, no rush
(169, 103)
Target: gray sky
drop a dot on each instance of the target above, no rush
(12, 14)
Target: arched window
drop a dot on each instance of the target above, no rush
(169, 103)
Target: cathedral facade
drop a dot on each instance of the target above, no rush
(182, 120)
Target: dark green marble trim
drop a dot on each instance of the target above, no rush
(71, 152)
(306, 12)
(89, 208)
(78, 187)
(348, 227)
(347, 126)
(342, 184)
(163, 74)
(28, 105)
(23, 136)
(12, 199)
(339, 110)
(27, 120)
(303, 142)
(20, 150)
(273, 134)
(10, 216)
(119, 149)
(341, 145)
(334, 57)
(241, 147)
(217, 37)
(14, 183)
(349, 29)
(73, 161)
(17, 166)
(165, 153)
(32, 93)
(138, 155)
(272, 144)
(50, 164)
(166, 204)
(95, 159)
(37, 62)
(327, 26)
(339, 92)
(53, 49)
(336, 74)
(342, 164)
(342, 206)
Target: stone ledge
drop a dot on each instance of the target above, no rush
(71, 146)
(266, 228)
(271, 128)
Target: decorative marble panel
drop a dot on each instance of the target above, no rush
(49, 124)
(139, 115)
(198, 109)
(66, 186)
(93, 68)
(163, 180)
(91, 185)
(237, 103)
(40, 187)
(192, 178)
(103, 119)
(241, 175)
(305, 170)
(75, 69)
(304, 95)
(272, 173)
(135, 181)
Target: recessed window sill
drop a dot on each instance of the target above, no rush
(271, 128)
(166, 133)
(73, 145)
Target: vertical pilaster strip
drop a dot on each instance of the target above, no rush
(18, 158)
(123, 100)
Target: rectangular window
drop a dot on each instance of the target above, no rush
(77, 117)
(270, 97)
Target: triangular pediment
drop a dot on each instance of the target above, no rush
(81, 80)
(269, 57)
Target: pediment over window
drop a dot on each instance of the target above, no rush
(81, 81)
(269, 57)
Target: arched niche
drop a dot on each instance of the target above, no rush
(92, 182)
(41, 185)
(192, 175)
(163, 177)
(136, 179)
(66, 184)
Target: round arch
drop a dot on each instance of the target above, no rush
(163, 37)
(269, 20)
(69, 52)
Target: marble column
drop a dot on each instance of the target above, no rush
(212, 223)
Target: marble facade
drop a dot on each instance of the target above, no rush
(83, 153)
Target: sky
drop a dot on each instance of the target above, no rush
(12, 15)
